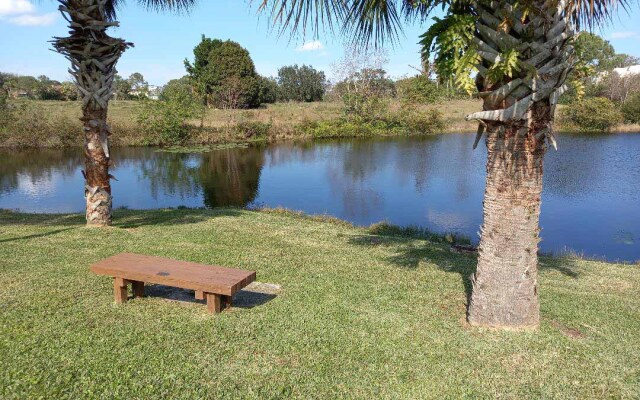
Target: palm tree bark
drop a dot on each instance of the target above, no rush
(96, 167)
(93, 55)
(505, 292)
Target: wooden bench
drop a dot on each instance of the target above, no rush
(215, 284)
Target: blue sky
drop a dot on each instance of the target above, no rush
(163, 41)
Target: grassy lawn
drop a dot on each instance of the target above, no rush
(362, 314)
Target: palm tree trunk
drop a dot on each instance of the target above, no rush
(518, 111)
(96, 172)
(505, 284)
(93, 55)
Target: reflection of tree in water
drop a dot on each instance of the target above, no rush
(364, 160)
(410, 159)
(225, 177)
(231, 177)
(171, 173)
(38, 166)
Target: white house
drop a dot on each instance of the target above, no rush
(632, 70)
(154, 92)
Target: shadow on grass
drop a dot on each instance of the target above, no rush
(127, 219)
(248, 297)
(131, 219)
(564, 265)
(411, 245)
(35, 235)
(9, 217)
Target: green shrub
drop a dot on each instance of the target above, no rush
(164, 122)
(631, 110)
(419, 122)
(593, 114)
(253, 129)
(418, 89)
(422, 90)
(405, 122)
(26, 124)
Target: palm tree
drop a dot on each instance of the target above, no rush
(521, 53)
(93, 55)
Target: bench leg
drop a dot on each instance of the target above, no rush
(120, 290)
(138, 288)
(228, 302)
(214, 303)
(199, 295)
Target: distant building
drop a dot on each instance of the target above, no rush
(632, 70)
(151, 92)
(623, 72)
(154, 92)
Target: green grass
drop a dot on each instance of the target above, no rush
(362, 314)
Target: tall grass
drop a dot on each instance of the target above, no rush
(56, 123)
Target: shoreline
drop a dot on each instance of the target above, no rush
(303, 138)
(56, 125)
(381, 227)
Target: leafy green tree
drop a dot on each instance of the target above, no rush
(17, 85)
(268, 90)
(69, 91)
(303, 83)
(121, 88)
(224, 74)
(599, 54)
(595, 57)
(139, 86)
(177, 88)
(517, 55)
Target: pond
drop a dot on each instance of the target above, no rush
(590, 204)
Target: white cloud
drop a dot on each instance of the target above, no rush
(11, 7)
(23, 13)
(624, 35)
(311, 46)
(34, 20)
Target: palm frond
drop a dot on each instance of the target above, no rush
(373, 20)
(595, 12)
(365, 21)
(112, 6)
(302, 16)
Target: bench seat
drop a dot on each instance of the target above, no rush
(213, 283)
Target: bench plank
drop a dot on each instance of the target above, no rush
(183, 274)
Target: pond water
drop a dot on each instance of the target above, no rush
(591, 201)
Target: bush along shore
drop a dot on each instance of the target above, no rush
(357, 313)
(55, 124)
(147, 123)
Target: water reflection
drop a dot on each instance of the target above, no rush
(223, 178)
(590, 201)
